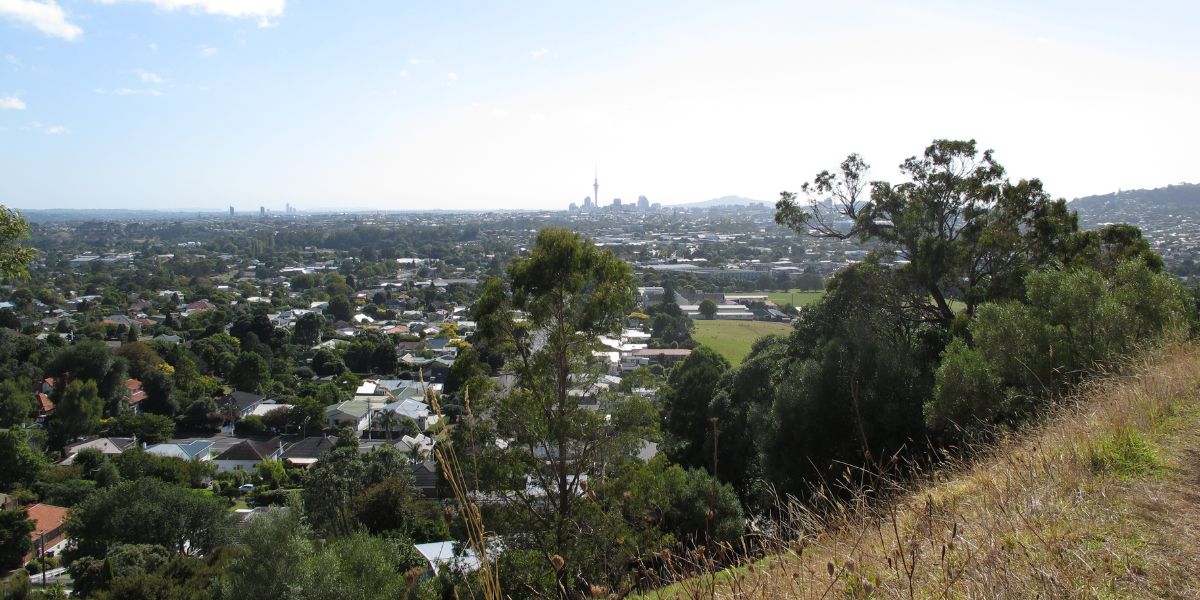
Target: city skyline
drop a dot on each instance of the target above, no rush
(204, 104)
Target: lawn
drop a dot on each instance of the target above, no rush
(796, 298)
(733, 339)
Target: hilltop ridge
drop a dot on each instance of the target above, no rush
(1098, 501)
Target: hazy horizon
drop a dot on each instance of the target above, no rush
(200, 104)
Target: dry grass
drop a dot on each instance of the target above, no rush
(1100, 501)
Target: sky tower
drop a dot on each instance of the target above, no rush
(596, 188)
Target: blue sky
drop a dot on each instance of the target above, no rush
(200, 104)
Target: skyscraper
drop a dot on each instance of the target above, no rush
(231, 211)
(596, 188)
(643, 203)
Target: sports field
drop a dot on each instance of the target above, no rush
(796, 298)
(733, 339)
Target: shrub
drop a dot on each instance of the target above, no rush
(1125, 454)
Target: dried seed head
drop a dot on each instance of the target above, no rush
(558, 562)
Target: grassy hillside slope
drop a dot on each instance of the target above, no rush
(1101, 501)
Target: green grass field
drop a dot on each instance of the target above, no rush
(793, 297)
(796, 298)
(733, 339)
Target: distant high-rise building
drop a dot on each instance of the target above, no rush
(643, 203)
(616, 203)
(262, 211)
(574, 207)
(587, 203)
(596, 188)
(231, 211)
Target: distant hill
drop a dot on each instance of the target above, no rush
(1181, 199)
(724, 201)
(49, 215)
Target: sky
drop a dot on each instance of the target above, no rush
(404, 105)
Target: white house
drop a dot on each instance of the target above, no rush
(194, 450)
(355, 414)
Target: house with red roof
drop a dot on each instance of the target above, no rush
(47, 526)
(136, 394)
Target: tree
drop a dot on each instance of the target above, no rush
(250, 373)
(690, 390)
(251, 425)
(783, 281)
(570, 292)
(849, 387)
(160, 391)
(22, 463)
(1072, 322)
(387, 506)
(142, 359)
(146, 427)
(468, 366)
(15, 543)
(280, 561)
(9, 319)
(708, 308)
(340, 477)
(670, 324)
(326, 362)
(148, 511)
(340, 308)
(77, 411)
(16, 404)
(13, 256)
(92, 360)
(308, 329)
(202, 415)
(966, 231)
(271, 473)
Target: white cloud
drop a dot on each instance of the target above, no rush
(451, 76)
(11, 103)
(148, 77)
(154, 47)
(416, 61)
(47, 17)
(207, 51)
(260, 9)
(403, 72)
(57, 130)
(540, 52)
(12, 60)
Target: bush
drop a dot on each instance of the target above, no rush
(1125, 454)
(15, 587)
(266, 497)
(250, 426)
